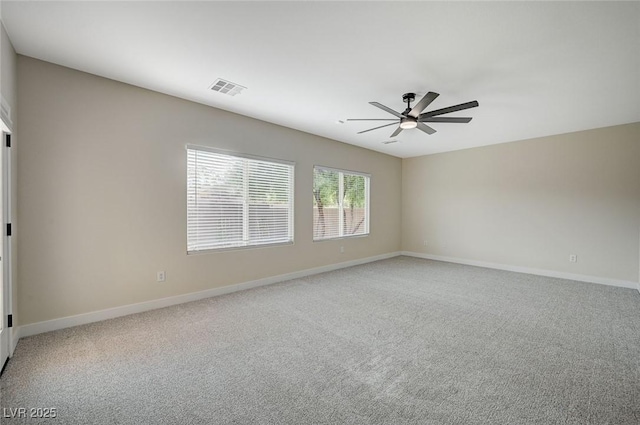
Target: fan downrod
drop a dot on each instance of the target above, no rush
(408, 98)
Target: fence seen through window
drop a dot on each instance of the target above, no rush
(340, 203)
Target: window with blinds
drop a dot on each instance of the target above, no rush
(340, 203)
(236, 201)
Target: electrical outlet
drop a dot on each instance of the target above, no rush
(342, 249)
(426, 243)
(573, 258)
(161, 276)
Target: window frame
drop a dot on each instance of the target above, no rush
(235, 154)
(367, 189)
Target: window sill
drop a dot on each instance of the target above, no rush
(239, 248)
(338, 238)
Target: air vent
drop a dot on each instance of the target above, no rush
(227, 87)
(388, 142)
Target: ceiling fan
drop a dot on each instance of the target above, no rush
(413, 118)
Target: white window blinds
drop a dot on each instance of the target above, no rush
(340, 203)
(235, 201)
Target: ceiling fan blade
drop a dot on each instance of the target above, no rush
(386, 108)
(426, 128)
(423, 103)
(460, 120)
(395, 133)
(375, 128)
(372, 119)
(450, 109)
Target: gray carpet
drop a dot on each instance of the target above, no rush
(399, 341)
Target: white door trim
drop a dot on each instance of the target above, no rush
(6, 240)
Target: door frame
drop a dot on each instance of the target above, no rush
(5, 266)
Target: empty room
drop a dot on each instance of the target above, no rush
(320, 212)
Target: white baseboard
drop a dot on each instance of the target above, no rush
(529, 270)
(111, 313)
(96, 316)
(15, 336)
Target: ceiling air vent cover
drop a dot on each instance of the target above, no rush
(227, 87)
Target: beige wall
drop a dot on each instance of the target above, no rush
(8, 88)
(101, 195)
(531, 203)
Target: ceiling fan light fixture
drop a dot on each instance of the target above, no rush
(408, 123)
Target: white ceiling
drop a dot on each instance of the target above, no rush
(536, 68)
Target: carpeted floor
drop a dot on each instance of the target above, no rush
(399, 341)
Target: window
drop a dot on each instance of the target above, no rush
(237, 201)
(340, 203)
